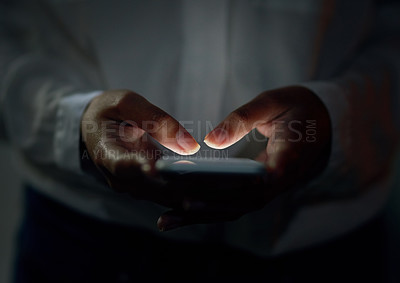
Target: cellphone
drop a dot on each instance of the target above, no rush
(216, 168)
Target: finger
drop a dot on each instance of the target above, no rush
(158, 124)
(133, 171)
(124, 164)
(240, 122)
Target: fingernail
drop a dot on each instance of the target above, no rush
(169, 222)
(216, 137)
(186, 141)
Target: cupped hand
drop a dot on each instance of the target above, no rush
(298, 128)
(119, 128)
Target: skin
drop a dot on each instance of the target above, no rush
(119, 128)
(291, 156)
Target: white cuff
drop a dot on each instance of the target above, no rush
(67, 133)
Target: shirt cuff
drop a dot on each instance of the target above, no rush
(67, 133)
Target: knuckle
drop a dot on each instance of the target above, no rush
(241, 114)
(161, 120)
(161, 117)
(112, 103)
(123, 97)
(126, 93)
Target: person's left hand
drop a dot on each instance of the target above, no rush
(299, 130)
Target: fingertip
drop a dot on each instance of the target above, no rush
(194, 150)
(217, 138)
(211, 144)
(186, 152)
(187, 143)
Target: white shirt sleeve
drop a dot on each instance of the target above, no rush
(45, 87)
(363, 104)
(67, 131)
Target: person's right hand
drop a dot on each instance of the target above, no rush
(115, 130)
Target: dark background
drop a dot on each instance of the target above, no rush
(11, 211)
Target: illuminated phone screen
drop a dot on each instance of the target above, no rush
(210, 166)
